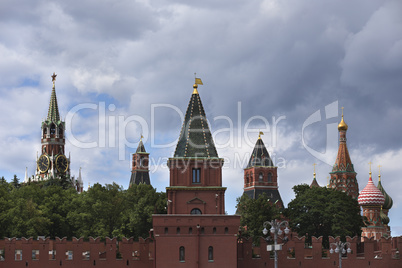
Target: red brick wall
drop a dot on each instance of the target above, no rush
(102, 253)
(312, 257)
(219, 232)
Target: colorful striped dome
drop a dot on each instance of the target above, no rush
(371, 195)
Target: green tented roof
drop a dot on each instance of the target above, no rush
(195, 138)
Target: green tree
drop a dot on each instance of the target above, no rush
(56, 204)
(98, 212)
(320, 211)
(254, 212)
(16, 182)
(5, 205)
(142, 201)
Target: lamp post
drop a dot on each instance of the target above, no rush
(340, 248)
(276, 229)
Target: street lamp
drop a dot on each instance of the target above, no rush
(276, 229)
(340, 248)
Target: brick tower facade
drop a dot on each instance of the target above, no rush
(343, 175)
(195, 170)
(261, 176)
(140, 166)
(195, 233)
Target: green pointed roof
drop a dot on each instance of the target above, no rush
(388, 200)
(260, 156)
(141, 148)
(195, 138)
(53, 112)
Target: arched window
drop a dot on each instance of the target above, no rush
(226, 230)
(52, 129)
(178, 230)
(190, 230)
(210, 253)
(269, 177)
(247, 179)
(195, 211)
(260, 177)
(166, 230)
(214, 230)
(181, 254)
(61, 132)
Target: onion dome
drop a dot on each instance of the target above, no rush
(371, 195)
(388, 200)
(384, 218)
(342, 125)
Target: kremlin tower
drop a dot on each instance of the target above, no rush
(53, 163)
(140, 166)
(195, 232)
(261, 176)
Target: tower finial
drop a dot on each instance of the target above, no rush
(342, 125)
(327, 181)
(370, 168)
(54, 78)
(379, 172)
(259, 135)
(314, 169)
(197, 82)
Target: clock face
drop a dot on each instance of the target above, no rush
(61, 163)
(43, 163)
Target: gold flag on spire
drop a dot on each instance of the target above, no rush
(198, 81)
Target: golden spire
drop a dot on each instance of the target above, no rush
(370, 168)
(379, 172)
(327, 181)
(197, 82)
(342, 125)
(314, 169)
(259, 135)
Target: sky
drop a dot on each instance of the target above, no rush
(126, 68)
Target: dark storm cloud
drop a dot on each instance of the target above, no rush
(277, 58)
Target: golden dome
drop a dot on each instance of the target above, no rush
(342, 125)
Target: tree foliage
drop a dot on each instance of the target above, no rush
(254, 212)
(53, 208)
(323, 212)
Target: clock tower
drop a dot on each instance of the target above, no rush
(52, 161)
